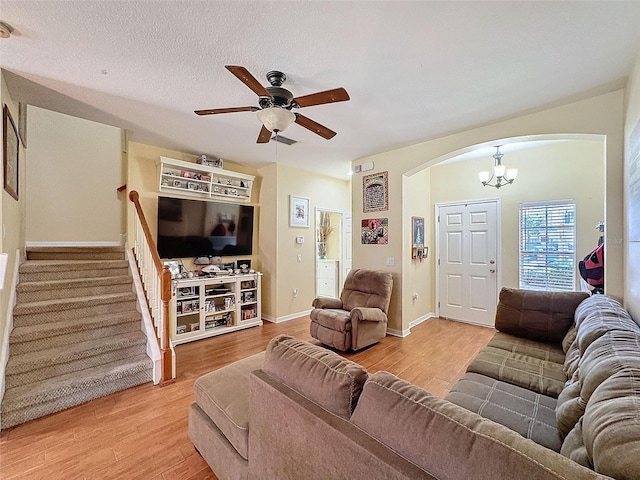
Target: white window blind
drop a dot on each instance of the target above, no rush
(547, 245)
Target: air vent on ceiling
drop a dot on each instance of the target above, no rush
(285, 140)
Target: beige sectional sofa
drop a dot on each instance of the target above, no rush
(555, 395)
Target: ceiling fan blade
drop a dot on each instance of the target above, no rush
(249, 80)
(328, 96)
(315, 127)
(215, 111)
(264, 136)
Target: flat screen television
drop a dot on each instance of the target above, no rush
(196, 228)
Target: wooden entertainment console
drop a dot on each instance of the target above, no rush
(203, 307)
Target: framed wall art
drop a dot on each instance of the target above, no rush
(417, 224)
(299, 211)
(375, 231)
(10, 152)
(375, 195)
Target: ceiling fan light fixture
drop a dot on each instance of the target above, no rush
(276, 119)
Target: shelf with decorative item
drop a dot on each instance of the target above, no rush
(188, 178)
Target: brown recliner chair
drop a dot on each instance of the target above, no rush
(359, 318)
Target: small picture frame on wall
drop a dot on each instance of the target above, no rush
(417, 224)
(299, 211)
(10, 153)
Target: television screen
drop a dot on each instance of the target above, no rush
(195, 228)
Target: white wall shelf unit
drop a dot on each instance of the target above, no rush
(205, 307)
(178, 177)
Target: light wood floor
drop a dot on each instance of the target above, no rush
(141, 433)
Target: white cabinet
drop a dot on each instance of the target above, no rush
(203, 181)
(327, 279)
(204, 307)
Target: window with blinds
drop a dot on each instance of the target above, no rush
(547, 245)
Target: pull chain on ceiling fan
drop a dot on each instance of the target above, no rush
(275, 104)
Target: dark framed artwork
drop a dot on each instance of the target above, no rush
(10, 152)
(417, 224)
(375, 195)
(375, 231)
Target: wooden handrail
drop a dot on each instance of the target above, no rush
(135, 198)
(165, 293)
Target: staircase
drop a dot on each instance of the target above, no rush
(76, 332)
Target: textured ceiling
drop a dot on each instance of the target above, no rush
(414, 70)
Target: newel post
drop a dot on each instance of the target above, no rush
(165, 351)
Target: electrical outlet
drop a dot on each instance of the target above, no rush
(295, 293)
(391, 261)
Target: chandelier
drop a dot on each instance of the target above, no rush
(501, 174)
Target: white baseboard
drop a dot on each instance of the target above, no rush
(398, 333)
(291, 316)
(73, 244)
(413, 323)
(421, 319)
(4, 356)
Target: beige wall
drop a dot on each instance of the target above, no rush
(13, 220)
(578, 174)
(600, 115)
(283, 267)
(268, 244)
(417, 278)
(142, 176)
(632, 194)
(75, 167)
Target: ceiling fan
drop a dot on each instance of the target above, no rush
(275, 104)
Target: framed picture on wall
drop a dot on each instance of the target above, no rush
(10, 152)
(418, 232)
(299, 211)
(375, 195)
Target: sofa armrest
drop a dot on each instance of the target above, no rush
(326, 302)
(365, 314)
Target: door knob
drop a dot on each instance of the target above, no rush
(492, 271)
(492, 262)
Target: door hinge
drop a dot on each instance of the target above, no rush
(438, 218)
(438, 304)
(438, 262)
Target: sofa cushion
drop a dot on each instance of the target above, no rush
(530, 414)
(339, 320)
(367, 288)
(614, 351)
(531, 348)
(599, 315)
(224, 396)
(449, 441)
(322, 376)
(541, 376)
(543, 316)
(607, 437)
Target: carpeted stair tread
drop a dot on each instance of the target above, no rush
(71, 303)
(72, 283)
(72, 249)
(68, 339)
(64, 265)
(67, 385)
(57, 369)
(39, 359)
(46, 330)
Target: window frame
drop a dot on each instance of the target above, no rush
(547, 253)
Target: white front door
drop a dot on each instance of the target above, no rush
(467, 261)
